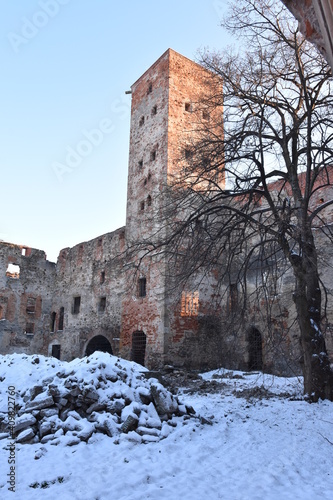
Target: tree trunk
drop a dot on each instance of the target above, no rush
(318, 376)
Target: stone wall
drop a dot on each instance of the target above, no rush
(97, 296)
(26, 291)
(89, 286)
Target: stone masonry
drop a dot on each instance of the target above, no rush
(93, 298)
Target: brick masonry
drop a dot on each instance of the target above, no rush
(93, 298)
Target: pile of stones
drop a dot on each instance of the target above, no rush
(98, 397)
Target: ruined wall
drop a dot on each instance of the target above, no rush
(87, 296)
(94, 297)
(25, 298)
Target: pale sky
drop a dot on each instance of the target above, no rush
(66, 65)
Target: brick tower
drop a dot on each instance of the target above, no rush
(162, 120)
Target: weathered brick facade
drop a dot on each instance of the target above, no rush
(94, 298)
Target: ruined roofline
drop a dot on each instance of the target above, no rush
(168, 51)
(111, 233)
(28, 250)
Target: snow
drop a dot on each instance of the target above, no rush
(258, 439)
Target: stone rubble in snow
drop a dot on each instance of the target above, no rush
(100, 394)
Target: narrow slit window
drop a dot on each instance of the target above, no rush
(61, 319)
(142, 206)
(153, 156)
(102, 277)
(142, 121)
(150, 88)
(140, 163)
(154, 110)
(102, 304)
(188, 107)
(53, 321)
(149, 200)
(142, 287)
(76, 305)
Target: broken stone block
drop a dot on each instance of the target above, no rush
(116, 406)
(45, 428)
(23, 422)
(148, 430)
(47, 438)
(96, 407)
(49, 412)
(164, 401)
(26, 435)
(86, 432)
(130, 424)
(60, 402)
(91, 395)
(38, 389)
(40, 402)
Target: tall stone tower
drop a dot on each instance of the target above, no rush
(162, 120)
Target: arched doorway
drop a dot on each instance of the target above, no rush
(98, 343)
(139, 341)
(255, 349)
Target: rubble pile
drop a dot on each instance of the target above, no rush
(99, 394)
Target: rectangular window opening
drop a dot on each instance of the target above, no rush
(189, 304)
(154, 110)
(140, 163)
(142, 121)
(102, 304)
(76, 305)
(142, 287)
(31, 305)
(13, 271)
(205, 115)
(102, 277)
(30, 329)
(188, 154)
(188, 107)
(61, 319)
(153, 156)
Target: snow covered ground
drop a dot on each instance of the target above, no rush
(264, 442)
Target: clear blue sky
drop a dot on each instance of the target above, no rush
(65, 67)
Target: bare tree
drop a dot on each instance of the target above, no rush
(276, 155)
